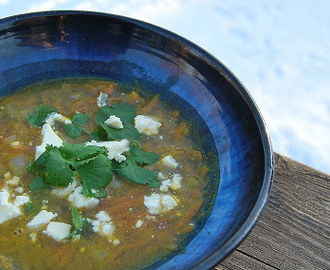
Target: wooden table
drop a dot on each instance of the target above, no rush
(294, 229)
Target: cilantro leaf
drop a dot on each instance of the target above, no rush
(56, 167)
(77, 221)
(75, 129)
(131, 171)
(126, 113)
(99, 134)
(95, 176)
(41, 113)
(80, 119)
(53, 167)
(142, 157)
(79, 152)
(38, 183)
(128, 132)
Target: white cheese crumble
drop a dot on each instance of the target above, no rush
(114, 122)
(15, 144)
(64, 191)
(174, 183)
(42, 218)
(104, 226)
(19, 189)
(79, 200)
(7, 209)
(138, 223)
(161, 176)
(7, 175)
(115, 148)
(13, 181)
(21, 200)
(57, 117)
(58, 230)
(169, 162)
(102, 99)
(146, 125)
(158, 203)
(49, 137)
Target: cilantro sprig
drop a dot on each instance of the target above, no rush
(57, 166)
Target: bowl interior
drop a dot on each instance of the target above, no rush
(44, 46)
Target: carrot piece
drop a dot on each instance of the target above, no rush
(151, 105)
(133, 97)
(182, 130)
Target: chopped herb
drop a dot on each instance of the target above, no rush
(73, 131)
(131, 171)
(77, 222)
(41, 113)
(76, 129)
(30, 208)
(126, 113)
(38, 183)
(57, 164)
(76, 219)
(95, 176)
(80, 119)
(142, 157)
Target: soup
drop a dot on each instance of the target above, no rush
(95, 175)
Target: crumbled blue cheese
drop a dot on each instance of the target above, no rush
(44, 217)
(58, 230)
(174, 183)
(169, 162)
(114, 122)
(50, 137)
(79, 200)
(146, 125)
(159, 203)
(102, 99)
(57, 117)
(115, 148)
(7, 209)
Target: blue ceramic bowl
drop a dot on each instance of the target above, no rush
(47, 45)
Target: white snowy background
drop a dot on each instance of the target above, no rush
(279, 49)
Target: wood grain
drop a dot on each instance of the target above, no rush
(294, 229)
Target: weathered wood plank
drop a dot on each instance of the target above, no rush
(294, 229)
